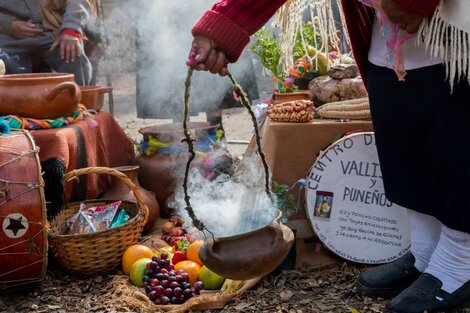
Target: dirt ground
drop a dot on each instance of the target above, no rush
(305, 290)
(329, 289)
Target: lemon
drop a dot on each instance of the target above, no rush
(137, 272)
(210, 279)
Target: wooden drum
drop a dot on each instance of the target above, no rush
(23, 239)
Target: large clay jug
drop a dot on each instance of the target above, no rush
(249, 255)
(162, 168)
(119, 191)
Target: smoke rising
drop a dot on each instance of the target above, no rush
(163, 42)
(227, 207)
(163, 37)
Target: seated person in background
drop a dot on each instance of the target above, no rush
(48, 31)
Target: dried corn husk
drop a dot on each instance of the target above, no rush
(351, 115)
(298, 111)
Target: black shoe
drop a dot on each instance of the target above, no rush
(388, 280)
(425, 294)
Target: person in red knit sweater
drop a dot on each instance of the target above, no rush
(420, 125)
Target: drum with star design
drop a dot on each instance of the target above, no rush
(23, 238)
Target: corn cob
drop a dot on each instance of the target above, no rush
(231, 285)
(345, 105)
(2, 68)
(352, 115)
(292, 111)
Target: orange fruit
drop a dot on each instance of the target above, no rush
(192, 253)
(134, 253)
(192, 268)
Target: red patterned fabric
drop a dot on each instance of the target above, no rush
(82, 145)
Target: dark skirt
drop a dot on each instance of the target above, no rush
(423, 141)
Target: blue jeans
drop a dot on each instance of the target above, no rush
(21, 63)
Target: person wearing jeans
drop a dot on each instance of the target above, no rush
(27, 38)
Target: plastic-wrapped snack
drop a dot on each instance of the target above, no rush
(104, 215)
(74, 217)
(82, 224)
(121, 218)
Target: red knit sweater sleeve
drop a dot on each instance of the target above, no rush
(420, 7)
(230, 23)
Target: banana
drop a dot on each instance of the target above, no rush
(231, 285)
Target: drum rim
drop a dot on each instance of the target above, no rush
(44, 222)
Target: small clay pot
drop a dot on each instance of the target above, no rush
(93, 96)
(39, 95)
(249, 255)
(120, 191)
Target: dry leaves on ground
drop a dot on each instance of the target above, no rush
(306, 290)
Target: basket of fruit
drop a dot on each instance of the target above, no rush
(99, 251)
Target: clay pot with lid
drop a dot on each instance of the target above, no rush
(39, 95)
(120, 191)
(161, 172)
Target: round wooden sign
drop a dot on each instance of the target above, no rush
(347, 207)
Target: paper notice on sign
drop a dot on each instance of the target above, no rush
(347, 206)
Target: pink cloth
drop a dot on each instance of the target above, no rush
(394, 37)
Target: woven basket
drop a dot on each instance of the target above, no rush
(100, 252)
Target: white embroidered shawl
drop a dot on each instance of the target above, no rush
(446, 35)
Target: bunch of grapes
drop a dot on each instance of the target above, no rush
(163, 285)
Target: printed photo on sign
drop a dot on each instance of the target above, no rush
(323, 204)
